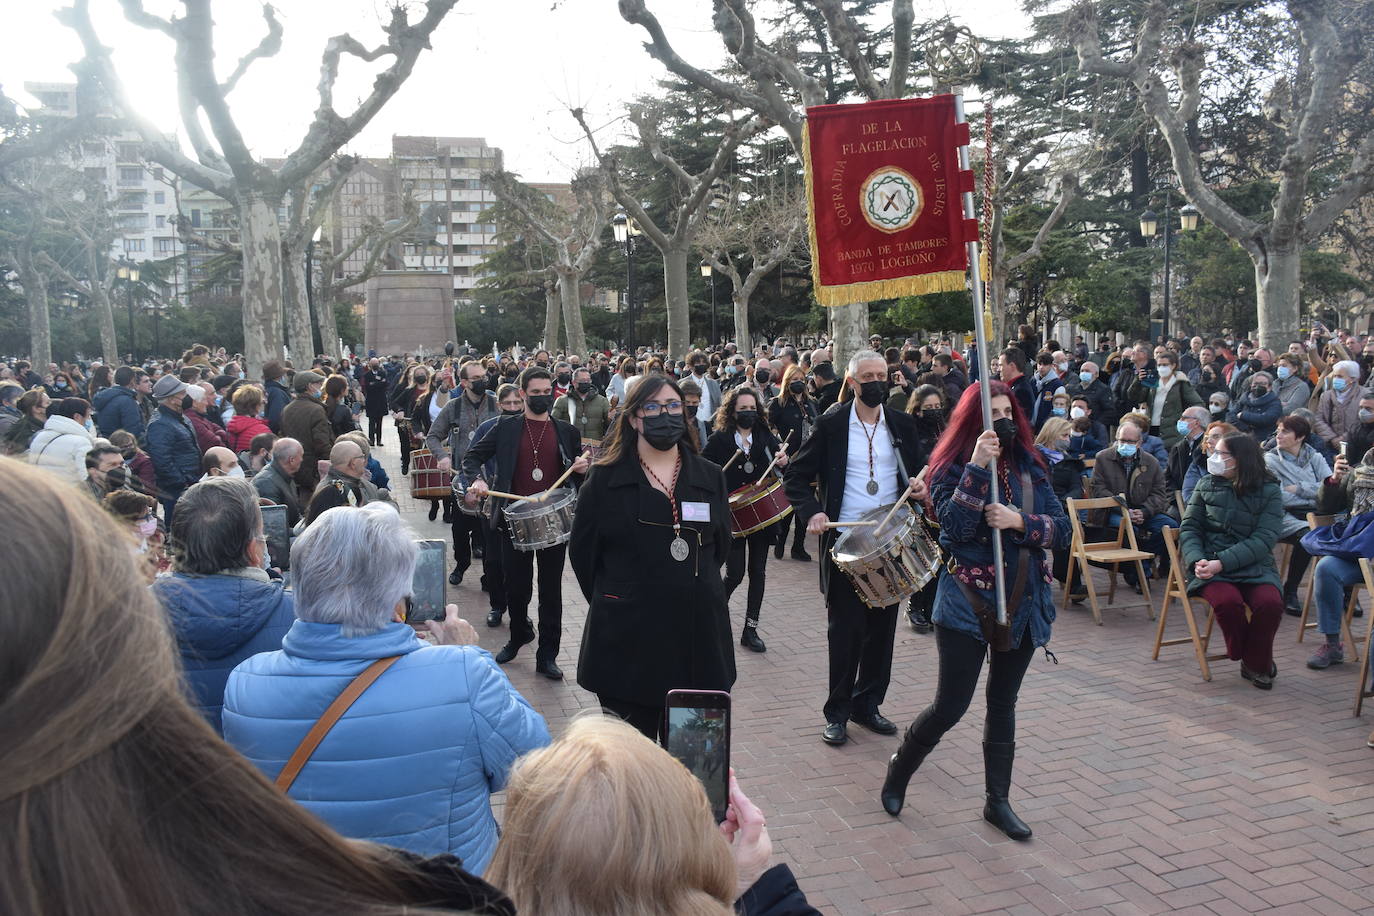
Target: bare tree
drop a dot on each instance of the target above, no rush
(1166, 68)
(688, 215)
(376, 238)
(1001, 264)
(574, 236)
(773, 85)
(227, 167)
(307, 206)
(747, 238)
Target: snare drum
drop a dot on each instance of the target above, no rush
(485, 508)
(426, 480)
(536, 524)
(890, 564)
(755, 506)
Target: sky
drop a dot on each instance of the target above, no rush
(505, 70)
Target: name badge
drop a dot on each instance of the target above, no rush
(696, 512)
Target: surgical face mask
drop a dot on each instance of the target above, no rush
(146, 527)
(1217, 408)
(1366, 415)
(1063, 367)
(1085, 377)
(1166, 371)
(60, 383)
(665, 430)
(512, 412)
(1078, 413)
(873, 393)
(1058, 411)
(90, 426)
(1127, 449)
(241, 375)
(1339, 383)
(745, 419)
(1183, 427)
(235, 471)
(1284, 372)
(1216, 465)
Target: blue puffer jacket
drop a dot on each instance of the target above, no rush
(176, 456)
(414, 761)
(117, 408)
(219, 621)
(960, 496)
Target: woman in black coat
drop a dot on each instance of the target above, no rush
(428, 401)
(740, 435)
(929, 407)
(792, 415)
(649, 567)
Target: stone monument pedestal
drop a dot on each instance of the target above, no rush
(408, 310)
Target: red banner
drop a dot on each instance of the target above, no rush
(883, 186)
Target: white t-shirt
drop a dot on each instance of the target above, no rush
(1161, 395)
(857, 500)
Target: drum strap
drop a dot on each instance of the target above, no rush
(985, 612)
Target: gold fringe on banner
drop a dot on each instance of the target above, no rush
(945, 281)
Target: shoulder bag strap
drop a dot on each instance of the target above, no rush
(312, 738)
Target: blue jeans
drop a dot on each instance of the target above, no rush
(1332, 576)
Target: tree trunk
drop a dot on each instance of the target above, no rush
(299, 329)
(325, 320)
(851, 333)
(1276, 290)
(569, 290)
(109, 345)
(552, 303)
(675, 297)
(741, 302)
(262, 281)
(35, 284)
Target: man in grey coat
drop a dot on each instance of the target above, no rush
(450, 436)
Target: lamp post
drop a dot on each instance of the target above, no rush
(708, 272)
(1149, 227)
(128, 272)
(625, 232)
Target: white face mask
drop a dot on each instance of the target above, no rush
(1078, 413)
(1216, 465)
(1166, 371)
(235, 471)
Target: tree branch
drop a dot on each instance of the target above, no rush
(902, 18)
(1068, 190)
(844, 31)
(268, 47)
(189, 236)
(1356, 183)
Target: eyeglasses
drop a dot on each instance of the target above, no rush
(654, 408)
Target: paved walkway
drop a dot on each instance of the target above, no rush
(1149, 790)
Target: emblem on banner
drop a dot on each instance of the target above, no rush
(890, 199)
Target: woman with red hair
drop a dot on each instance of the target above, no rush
(965, 600)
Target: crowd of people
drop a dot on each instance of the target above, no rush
(1219, 439)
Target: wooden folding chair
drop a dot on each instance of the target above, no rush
(1178, 498)
(1347, 635)
(1088, 465)
(1177, 587)
(1083, 552)
(1362, 685)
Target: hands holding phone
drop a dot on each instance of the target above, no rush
(451, 631)
(747, 833)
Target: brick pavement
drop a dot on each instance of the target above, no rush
(1149, 789)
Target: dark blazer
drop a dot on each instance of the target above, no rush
(721, 446)
(278, 396)
(503, 443)
(272, 484)
(653, 623)
(824, 458)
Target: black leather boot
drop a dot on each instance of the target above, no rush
(750, 637)
(997, 760)
(900, 769)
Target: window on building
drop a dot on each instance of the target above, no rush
(128, 152)
(157, 174)
(166, 246)
(132, 245)
(461, 272)
(160, 222)
(130, 175)
(93, 148)
(159, 197)
(195, 218)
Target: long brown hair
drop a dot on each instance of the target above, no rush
(603, 822)
(791, 374)
(622, 440)
(116, 797)
(725, 414)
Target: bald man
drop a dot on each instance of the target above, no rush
(346, 483)
(220, 462)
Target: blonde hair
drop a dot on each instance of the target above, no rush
(1052, 431)
(603, 822)
(1139, 420)
(247, 399)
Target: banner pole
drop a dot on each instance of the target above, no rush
(980, 334)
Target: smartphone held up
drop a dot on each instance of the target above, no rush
(698, 735)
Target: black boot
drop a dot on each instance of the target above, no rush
(997, 760)
(1291, 605)
(433, 509)
(799, 547)
(781, 543)
(750, 637)
(900, 769)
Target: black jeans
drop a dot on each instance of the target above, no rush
(647, 719)
(404, 433)
(860, 643)
(374, 429)
(519, 572)
(961, 661)
(465, 527)
(756, 547)
(493, 570)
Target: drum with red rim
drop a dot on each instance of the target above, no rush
(755, 506)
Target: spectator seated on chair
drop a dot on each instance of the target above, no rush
(1125, 469)
(1346, 490)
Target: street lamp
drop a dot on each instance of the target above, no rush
(128, 272)
(1149, 227)
(707, 271)
(625, 232)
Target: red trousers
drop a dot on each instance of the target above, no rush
(1251, 641)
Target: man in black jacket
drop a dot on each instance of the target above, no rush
(863, 457)
(532, 451)
(827, 386)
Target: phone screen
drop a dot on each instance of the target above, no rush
(427, 587)
(698, 735)
(278, 536)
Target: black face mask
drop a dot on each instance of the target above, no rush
(1005, 429)
(564, 378)
(512, 413)
(1260, 390)
(664, 431)
(478, 386)
(584, 388)
(797, 387)
(873, 393)
(745, 419)
(1254, 365)
(116, 478)
(762, 376)
(931, 413)
(542, 364)
(698, 368)
(539, 404)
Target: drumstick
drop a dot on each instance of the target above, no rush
(847, 524)
(901, 500)
(737, 453)
(540, 497)
(501, 495)
(766, 470)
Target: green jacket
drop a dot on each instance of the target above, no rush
(1240, 531)
(591, 414)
